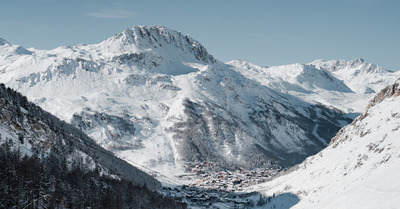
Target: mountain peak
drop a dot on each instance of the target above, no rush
(158, 39)
(240, 63)
(3, 42)
(357, 62)
(359, 59)
(139, 34)
(355, 66)
(359, 75)
(9, 48)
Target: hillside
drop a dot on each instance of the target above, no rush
(43, 158)
(359, 169)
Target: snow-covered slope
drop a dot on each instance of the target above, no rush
(9, 53)
(47, 163)
(360, 76)
(29, 129)
(295, 77)
(7, 50)
(156, 98)
(359, 169)
(346, 85)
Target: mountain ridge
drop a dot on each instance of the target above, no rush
(345, 85)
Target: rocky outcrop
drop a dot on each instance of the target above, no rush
(389, 91)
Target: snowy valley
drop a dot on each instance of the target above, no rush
(219, 134)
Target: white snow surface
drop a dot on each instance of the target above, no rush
(145, 73)
(67, 80)
(345, 85)
(360, 169)
(360, 76)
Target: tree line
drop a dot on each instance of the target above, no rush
(34, 182)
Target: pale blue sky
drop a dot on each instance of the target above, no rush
(265, 32)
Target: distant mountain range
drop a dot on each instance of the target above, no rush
(345, 85)
(158, 99)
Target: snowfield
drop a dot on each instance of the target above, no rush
(359, 169)
(345, 85)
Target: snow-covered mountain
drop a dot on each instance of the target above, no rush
(157, 98)
(359, 169)
(7, 50)
(360, 76)
(47, 163)
(346, 85)
(295, 77)
(33, 131)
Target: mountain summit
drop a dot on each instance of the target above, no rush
(360, 76)
(6, 49)
(164, 41)
(3, 42)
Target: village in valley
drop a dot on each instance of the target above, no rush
(212, 189)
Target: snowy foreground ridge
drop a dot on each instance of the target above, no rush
(359, 169)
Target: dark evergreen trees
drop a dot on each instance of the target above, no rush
(29, 182)
(55, 172)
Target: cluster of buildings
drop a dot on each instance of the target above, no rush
(198, 197)
(231, 180)
(216, 189)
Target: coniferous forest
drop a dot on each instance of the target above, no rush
(47, 163)
(29, 182)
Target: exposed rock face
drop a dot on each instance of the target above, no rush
(389, 91)
(207, 137)
(114, 132)
(158, 37)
